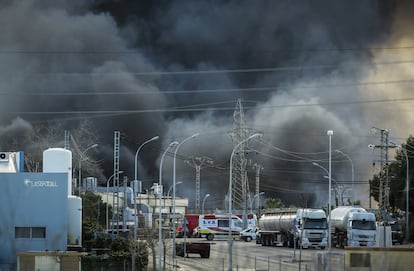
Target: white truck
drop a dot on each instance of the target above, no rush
(352, 226)
(290, 227)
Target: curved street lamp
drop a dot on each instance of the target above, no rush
(204, 200)
(174, 174)
(136, 155)
(135, 179)
(81, 158)
(160, 207)
(252, 200)
(230, 256)
(352, 172)
(169, 189)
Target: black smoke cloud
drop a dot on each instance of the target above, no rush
(112, 52)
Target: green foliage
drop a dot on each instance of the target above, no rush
(271, 203)
(118, 252)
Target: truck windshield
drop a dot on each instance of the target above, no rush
(363, 225)
(315, 224)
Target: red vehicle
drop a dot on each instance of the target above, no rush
(191, 229)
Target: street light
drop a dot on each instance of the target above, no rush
(353, 176)
(169, 189)
(204, 200)
(107, 192)
(136, 179)
(230, 267)
(160, 207)
(330, 134)
(174, 174)
(136, 155)
(252, 200)
(321, 167)
(81, 158)
(338, 188)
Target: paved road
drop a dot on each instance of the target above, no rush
(246, 256)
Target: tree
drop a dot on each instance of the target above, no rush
(273, 203)
(120, 250)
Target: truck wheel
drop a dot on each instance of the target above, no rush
(210, 237)
(248, 239)
(322, 248)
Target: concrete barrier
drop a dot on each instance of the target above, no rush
(377, 258)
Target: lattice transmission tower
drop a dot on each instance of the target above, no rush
(240, 185)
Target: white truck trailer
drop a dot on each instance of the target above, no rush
(352, 226)
(290, 226)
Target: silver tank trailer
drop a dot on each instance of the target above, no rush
(277, 222)
(339, 216)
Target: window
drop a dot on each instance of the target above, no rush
(363, 225)
(39, 232)
(223, 223)
(21, 232)
(30, 232)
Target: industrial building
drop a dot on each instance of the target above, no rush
(39, 214)
(41, 225)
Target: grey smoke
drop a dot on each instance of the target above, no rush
(102, 47)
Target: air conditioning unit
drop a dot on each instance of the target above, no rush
(4, 156)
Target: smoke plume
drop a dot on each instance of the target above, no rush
(176, 68)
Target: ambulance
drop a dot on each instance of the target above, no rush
(217, 226)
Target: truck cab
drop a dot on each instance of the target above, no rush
(314, 231)
(361, 230)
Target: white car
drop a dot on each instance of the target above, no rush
(248, 234)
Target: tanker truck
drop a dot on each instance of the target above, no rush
(352, 226)
(291, 226)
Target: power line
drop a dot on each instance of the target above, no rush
(177, 109)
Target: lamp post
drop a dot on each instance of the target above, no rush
(136, 155)
(352, 172)
(230, 254)
(169, 189)
(136, 179)
(204, 200)
(330, 134)
(81, 158)
(252, 200)
(321, 167)
(339, 190)
(107, 192)
(160, 207)
(174, 174)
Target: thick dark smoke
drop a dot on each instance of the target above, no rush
(300, 67)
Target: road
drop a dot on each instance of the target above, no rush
(246, 256)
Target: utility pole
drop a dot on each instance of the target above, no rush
(384, 189)
(67, 135)
(257, 167)
(198, 163)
